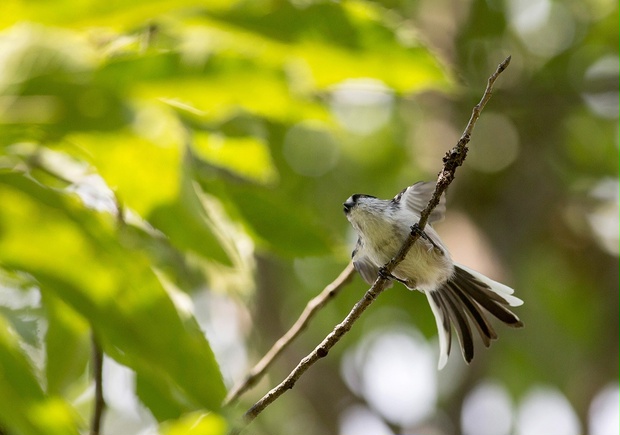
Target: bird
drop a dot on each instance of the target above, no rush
(458, 296)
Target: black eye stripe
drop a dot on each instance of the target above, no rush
(357, 196)
(352, 201)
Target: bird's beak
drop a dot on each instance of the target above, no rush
(348, 205)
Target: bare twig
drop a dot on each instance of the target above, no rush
(320, 351)
(99, 402)
(97, 352)
(451, 162)
(313, 306)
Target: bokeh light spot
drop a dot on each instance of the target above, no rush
(310, 149)
(395, 371)
(603, 218)
(603, 415)
(544, 411)
(601, 82)
(496, 143)
(546, 28)
(487, 410)
(362, 106)
(359, 420)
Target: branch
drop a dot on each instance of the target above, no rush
(99, 403)
(320, 351)
(97, 352)
(452, 160)
(313, 306)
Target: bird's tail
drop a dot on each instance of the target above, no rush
(465, 298)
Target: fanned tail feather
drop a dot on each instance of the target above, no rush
(467, 297)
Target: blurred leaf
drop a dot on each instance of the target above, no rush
(20, 305)
(24, 323)
(249, 157)
(410, 70)
(67, 334)
(24, 409)
(143, 172)
(276, 223)
(226, 83)
(113, 287)
(186, 222)
(188, 230)
(96, 13)
(158, 397)
(588, 146)
(339, 41)
(45, 84)
(237, 243)
(196, 424)
(135, 68)
(32, 213)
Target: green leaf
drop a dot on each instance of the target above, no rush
(196, 424)
(47, 78)
(84, 263)
(248, 156)
(228, 82)
(187, 227)
(144, 172)
(158, 397)
(276, 223)
(97, 13)
(339, 41)
(20, 306)
(67, 334)
(24, 408)
(404, 70)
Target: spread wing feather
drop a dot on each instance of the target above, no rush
(416, 198)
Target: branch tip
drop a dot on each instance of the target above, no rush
(505, 63)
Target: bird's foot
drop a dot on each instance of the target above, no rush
(383, 273)
(415, 229)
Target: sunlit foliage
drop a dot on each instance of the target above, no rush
(170, 168)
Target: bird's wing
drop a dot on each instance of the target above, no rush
(369, 271)
(366, 268)
(416, 198)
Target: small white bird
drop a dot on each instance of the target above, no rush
(455, 293)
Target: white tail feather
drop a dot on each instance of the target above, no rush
(444, 338)
(502, 290)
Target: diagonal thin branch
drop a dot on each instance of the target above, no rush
(313, 306)
(320, 351)
(452, 160)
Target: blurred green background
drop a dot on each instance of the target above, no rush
(172, 176)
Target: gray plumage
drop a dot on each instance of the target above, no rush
(457, 295)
